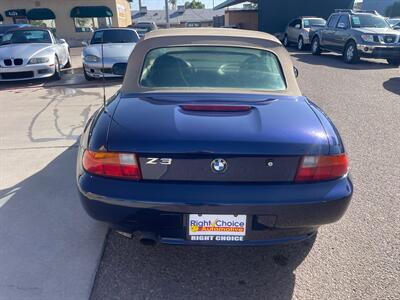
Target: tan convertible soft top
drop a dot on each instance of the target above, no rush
(207, 37)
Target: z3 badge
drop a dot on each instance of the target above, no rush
(159, 161)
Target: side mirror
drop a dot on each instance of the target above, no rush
(62, 41)
(85, 43)
(119, 69)
(342, 26)
(296, 72)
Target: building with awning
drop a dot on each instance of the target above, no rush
(73, 20)
(44, 17)
(274, 15)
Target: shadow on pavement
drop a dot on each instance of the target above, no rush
(50, 248)
(130, 270)
(393, 85)
(336, 61)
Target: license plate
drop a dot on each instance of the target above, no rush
(218, 228)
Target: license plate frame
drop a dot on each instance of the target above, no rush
(216, 227)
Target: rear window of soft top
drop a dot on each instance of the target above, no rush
(212, 67)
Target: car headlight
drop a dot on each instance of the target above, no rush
(368, 38)
(92, 58)
(38, 60)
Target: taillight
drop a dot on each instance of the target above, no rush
(319, 168)
(111, 164)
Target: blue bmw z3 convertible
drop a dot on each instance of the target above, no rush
(209, 141)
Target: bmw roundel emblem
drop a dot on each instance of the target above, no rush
(219, 165)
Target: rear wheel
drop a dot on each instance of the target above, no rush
(350, 54)
(394, 61)
(286, 41)
(300, 43)
(315, 46)
(57, 69)
(68, 64)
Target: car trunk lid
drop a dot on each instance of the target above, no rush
(259, 138)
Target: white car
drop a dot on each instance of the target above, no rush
(298, 30)
(115, 45)
(32, 53)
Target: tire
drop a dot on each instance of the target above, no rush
(286, 41)
(350, 54)
(68, 64)
(315, 46)
(394, 62)
(57, 69)
(87, 77)
(300, 44)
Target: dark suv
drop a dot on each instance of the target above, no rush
(357, 34)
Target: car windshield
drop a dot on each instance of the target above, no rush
(394, 22)
(145, 25)
(314, 22)
(366, 20)
(142, 30)
(114, 36)
(27, 37)
(212, 67)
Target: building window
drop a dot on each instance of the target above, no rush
(90, 24)
(20, 20)
(43, 17)
(43, 23)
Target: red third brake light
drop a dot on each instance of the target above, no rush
(319, 168)
(111, 164)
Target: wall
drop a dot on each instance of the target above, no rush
(125, 20)
(64, 23)
(245, 19)
(275, 14)
(378, 5)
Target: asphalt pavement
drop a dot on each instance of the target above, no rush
(356, 258)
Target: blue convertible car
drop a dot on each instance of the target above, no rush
(210, 141)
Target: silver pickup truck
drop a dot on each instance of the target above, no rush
(356, 34)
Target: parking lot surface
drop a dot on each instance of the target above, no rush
(357, 258)
(50, 249)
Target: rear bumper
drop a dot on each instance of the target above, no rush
(371, 51)
(277, 213)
